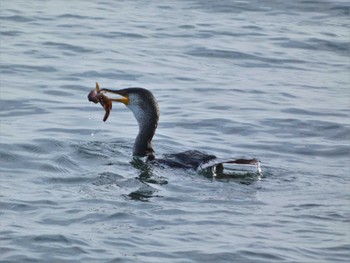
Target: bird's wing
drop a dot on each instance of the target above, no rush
(218, 163)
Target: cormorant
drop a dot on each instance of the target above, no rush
(145, 108)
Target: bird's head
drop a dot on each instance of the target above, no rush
(143, 105)
(140, 101)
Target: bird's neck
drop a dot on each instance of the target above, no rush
(143, 141)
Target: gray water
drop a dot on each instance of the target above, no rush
(263, 79)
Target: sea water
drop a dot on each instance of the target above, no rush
(254, 79)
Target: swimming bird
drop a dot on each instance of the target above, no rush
(144, 106)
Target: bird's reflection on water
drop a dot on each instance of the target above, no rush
(146, 177)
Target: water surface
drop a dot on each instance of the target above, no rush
(232, 78)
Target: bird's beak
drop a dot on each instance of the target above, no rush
(125, 96)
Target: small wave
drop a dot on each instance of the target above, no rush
(236, 55)
(120, 35)
(59, 93)
(68, 180)
(74, 16)
(17, 18)
(11, 108)
(11, 33)
(113, 74)
(342, 48)
(229, 7)
(15, 68)
(69, 47)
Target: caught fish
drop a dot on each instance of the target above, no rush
(97, 97)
